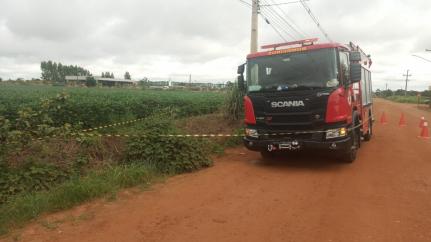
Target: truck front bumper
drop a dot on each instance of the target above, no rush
(289, 144)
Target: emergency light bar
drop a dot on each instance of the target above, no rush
(304, 42)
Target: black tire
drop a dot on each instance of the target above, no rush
(266, 155)
(349, 155)
(369, 134)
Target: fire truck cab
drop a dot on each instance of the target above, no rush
(306, 95)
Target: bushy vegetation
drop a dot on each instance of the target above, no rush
(167, 154)
(400, 96)
(234, 103)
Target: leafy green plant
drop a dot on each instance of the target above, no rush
(234, 103)
(168, 154)
(31, 177)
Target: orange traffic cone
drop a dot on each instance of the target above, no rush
(425, 132)
(383, 119)
(421, 123)
(402, 122)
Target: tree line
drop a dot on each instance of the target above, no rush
(401, 92)
(57, 72)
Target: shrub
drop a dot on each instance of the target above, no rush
(30, 178)
(234, 103)
(168, 154)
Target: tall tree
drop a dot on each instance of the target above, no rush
(127, 76)
(57, 72)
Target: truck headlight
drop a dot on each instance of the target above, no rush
(336, 133)
(251, 133)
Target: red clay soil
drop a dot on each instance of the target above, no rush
(385, 195)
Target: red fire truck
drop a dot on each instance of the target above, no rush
(307, 95)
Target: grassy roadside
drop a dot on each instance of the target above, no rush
(23, 208)
(407, 99)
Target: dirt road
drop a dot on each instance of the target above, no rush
(384, 196)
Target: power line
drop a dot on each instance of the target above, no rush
(284, 25)
(407, 80)
(277, 22)
(245, 3)
(274, 20)
(296, 27)
(275, 29)
(285, 21)
(277, 4)
(421, 58)
(316, 21)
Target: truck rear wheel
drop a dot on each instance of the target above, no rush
(369, 134)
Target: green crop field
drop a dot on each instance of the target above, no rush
(98, 106)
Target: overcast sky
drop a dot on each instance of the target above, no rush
(207, 38)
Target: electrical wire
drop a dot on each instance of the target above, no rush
(275, 28)
(272, 18)
(277, 4)
(316, 21)
(287, 27)
(274, 21)
(294, 25)
(245, 3)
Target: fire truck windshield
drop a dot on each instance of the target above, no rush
(314, 69)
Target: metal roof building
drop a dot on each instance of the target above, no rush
(101, 80)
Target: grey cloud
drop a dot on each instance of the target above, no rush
(213, 36)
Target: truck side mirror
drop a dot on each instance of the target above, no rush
(241, 69)
(355, 72)
(241, 83)
(355, 56)
(240, 80)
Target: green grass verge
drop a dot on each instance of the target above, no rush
(19, 210)
(407, 99)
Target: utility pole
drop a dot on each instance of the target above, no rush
(386, 86)
(254, 26)
(407, 80)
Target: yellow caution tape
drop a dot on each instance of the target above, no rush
(112, 125)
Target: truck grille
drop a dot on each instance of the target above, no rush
(304, 118)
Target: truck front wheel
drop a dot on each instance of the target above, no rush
(349, 155)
